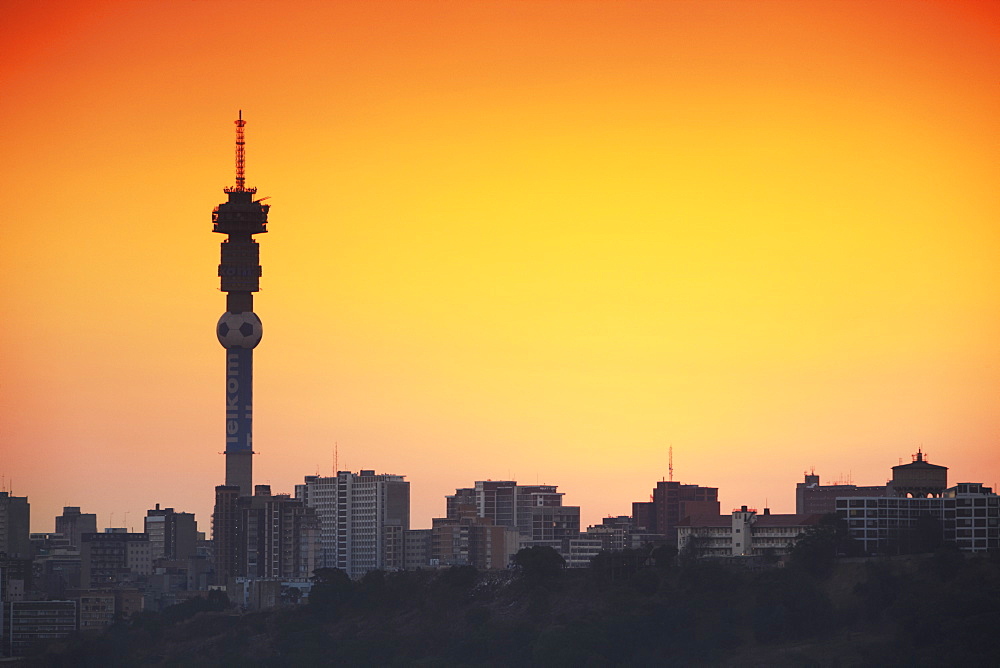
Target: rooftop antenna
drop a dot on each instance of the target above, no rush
(670, 464)
(240, 154)
(336, 457)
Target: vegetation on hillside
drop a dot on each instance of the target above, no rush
(634, 608)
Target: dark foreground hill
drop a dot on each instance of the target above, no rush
(941, 609)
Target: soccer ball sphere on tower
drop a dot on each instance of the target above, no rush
(239, 330)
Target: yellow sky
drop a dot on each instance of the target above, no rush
(540, 240)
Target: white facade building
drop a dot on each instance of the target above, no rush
(362, 517)
(744, 533)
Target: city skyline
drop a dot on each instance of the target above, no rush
(533, 241)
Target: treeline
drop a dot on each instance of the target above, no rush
(633, 608)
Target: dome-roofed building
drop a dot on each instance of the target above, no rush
(919, 479)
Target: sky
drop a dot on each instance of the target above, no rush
(541, 241)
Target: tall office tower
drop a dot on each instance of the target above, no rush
(15, 531)
(363, 517)
(239, 329)
(72, 524)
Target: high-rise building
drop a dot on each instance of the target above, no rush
(72, 524)
(280, 536)
(113, 559)
(172, 535)
(468, 539)
(226, 533)
(15, 526)
(536, 512)
(239, 330)
(362, 517)
(670, 503)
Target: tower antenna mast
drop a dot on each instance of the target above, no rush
(670, 464)
(240, 154)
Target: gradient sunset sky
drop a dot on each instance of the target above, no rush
(532, 240)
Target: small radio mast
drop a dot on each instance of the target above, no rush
(670, 464)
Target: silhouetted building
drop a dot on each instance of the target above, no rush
(227, 533)
(615, 533)
(919, 478)
(16, 577)
(175, 580)
(56, 566)
(363, 518)
(172, 535)
(671, 502)
(99, 608)
(25, 623)
(812, 498)
(15, 526)
(72, 524)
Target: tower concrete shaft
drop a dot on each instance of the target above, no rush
(239, 330)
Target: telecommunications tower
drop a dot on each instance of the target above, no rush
(239, 329)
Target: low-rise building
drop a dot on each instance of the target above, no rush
(812, 498)
(25, 623)
(743, 533)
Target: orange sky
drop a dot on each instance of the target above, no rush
(539, 240)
